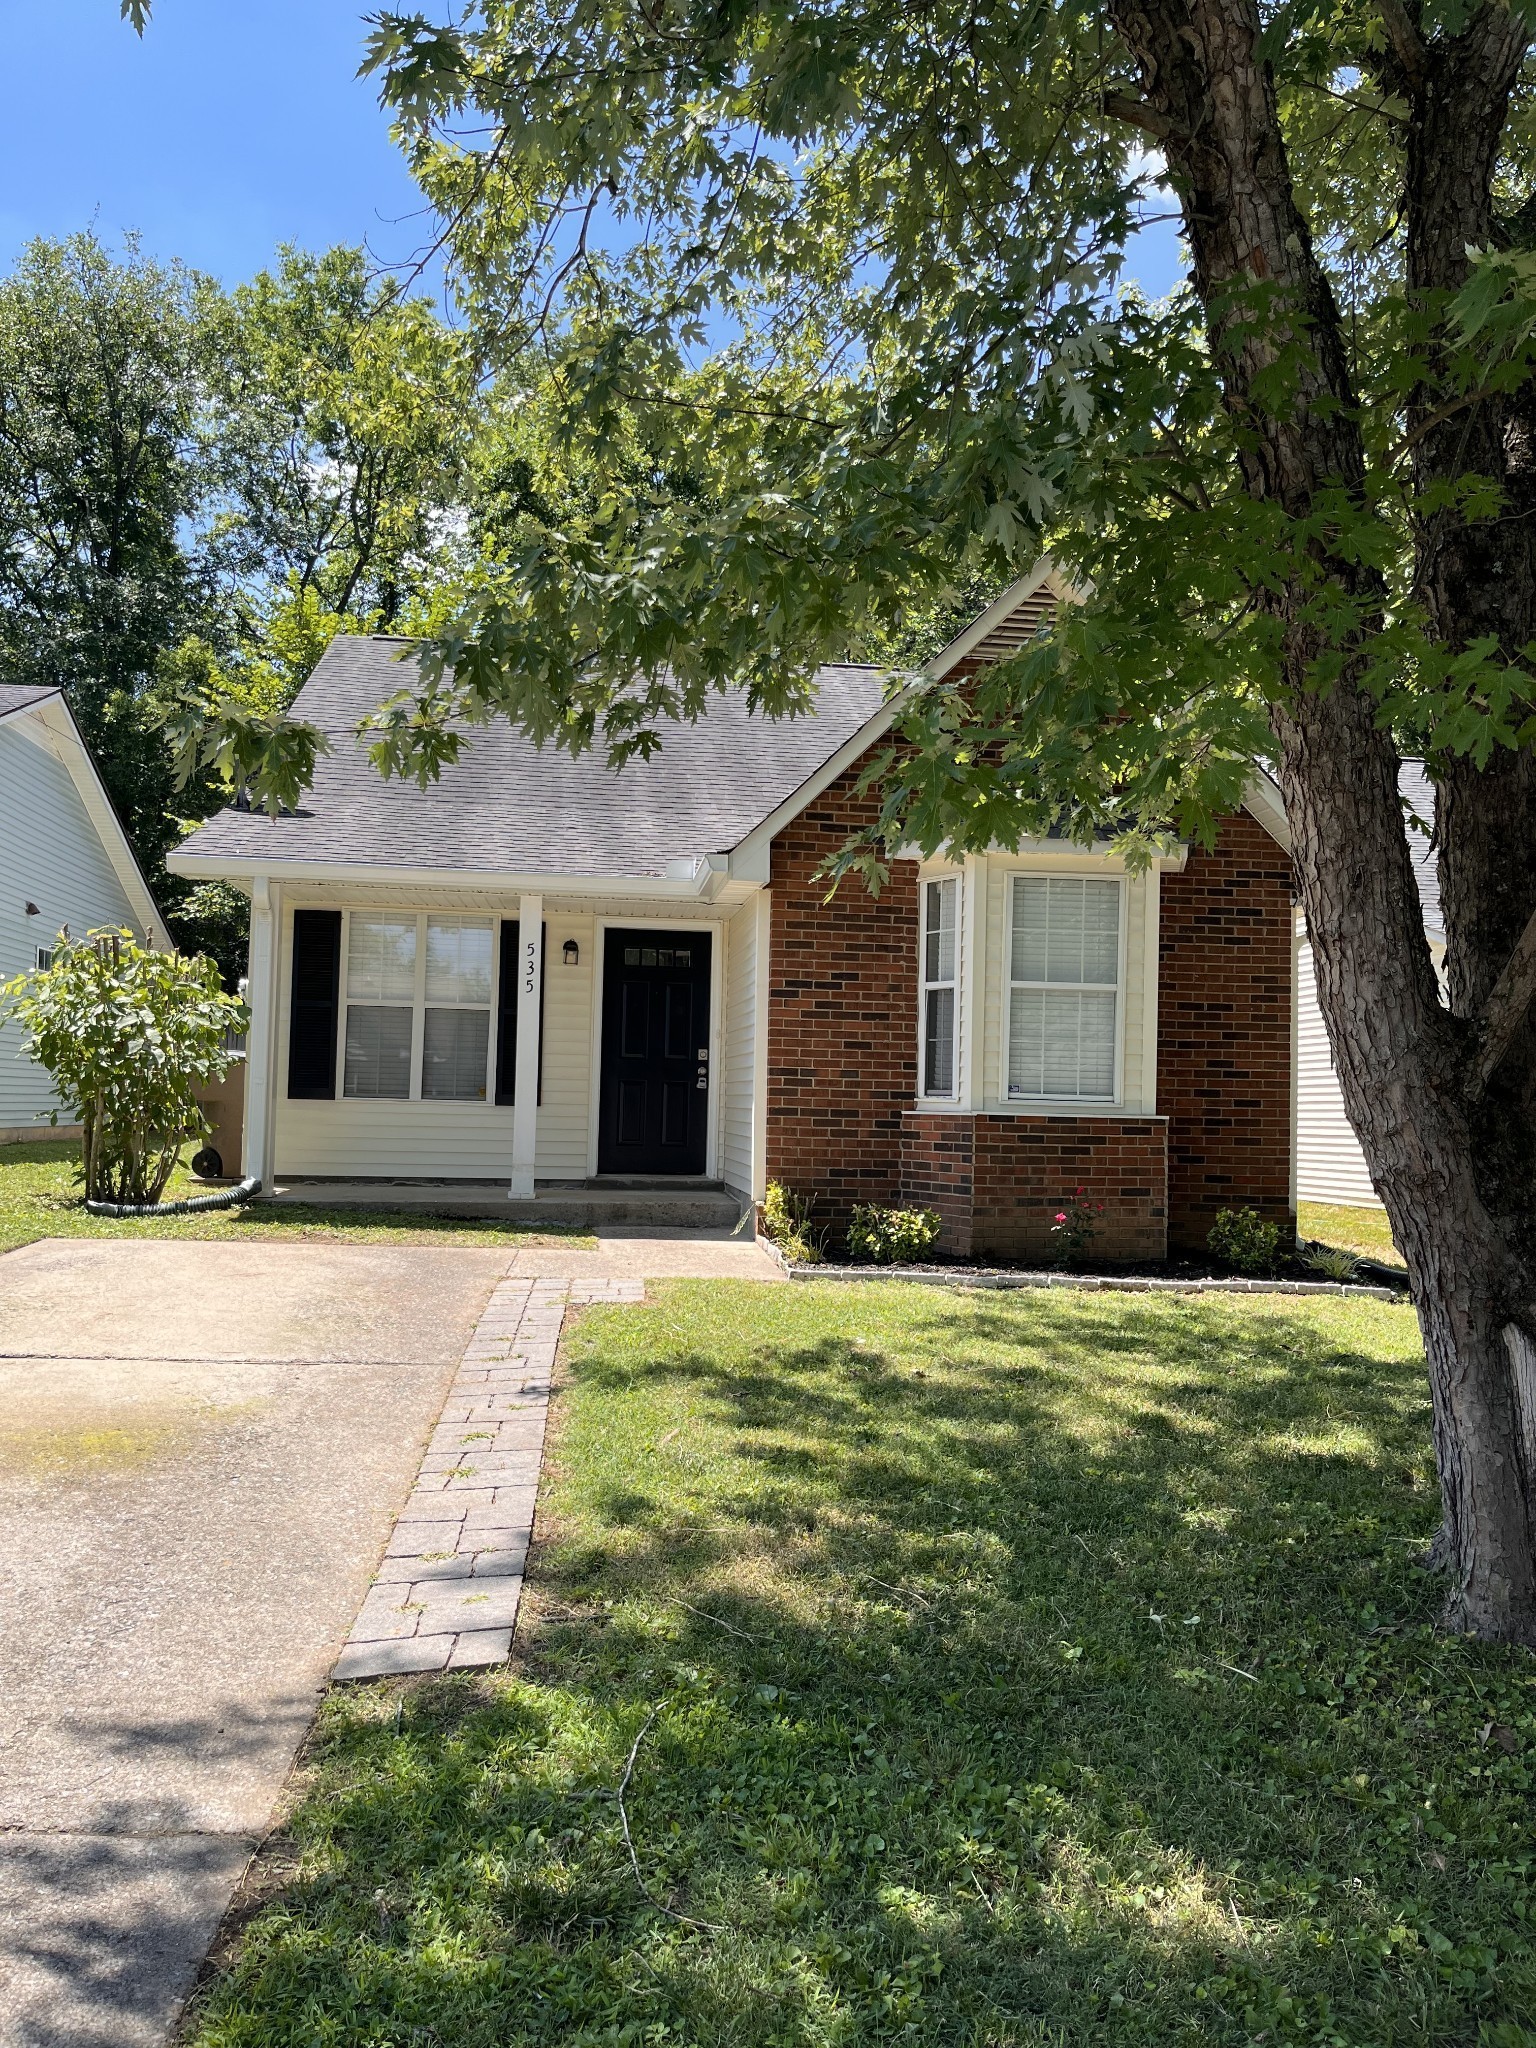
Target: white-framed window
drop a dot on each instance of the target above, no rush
(940, 990)
(1063, 987)
(418, 1007)
(43, 959)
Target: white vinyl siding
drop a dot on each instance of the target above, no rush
(50, 855)
(1330, 1167)
(1064, 987)
(738, 1047)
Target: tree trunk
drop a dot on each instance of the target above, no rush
(1454, 1166)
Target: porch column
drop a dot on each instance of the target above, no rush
(525, 1080)
(264, 980)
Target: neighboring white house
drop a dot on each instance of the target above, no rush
(1330, 1166)
(64, 861)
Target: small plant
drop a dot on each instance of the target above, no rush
(1073, 1227)
(1333, 1262)
(1241, 1239)
(787, 1220)
(128, 1035)
(892, 1237)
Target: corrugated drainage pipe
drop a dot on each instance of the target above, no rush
(191, 1205)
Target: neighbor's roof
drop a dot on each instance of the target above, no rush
(17, 696)
(506, 807)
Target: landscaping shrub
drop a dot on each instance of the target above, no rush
(1073, 1228)
(892, 1237)
(1241, 1238)
(128, 1036)
(787, 1220)
(1333, 1262)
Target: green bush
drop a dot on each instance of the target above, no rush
(128, 1035)
(1333, 1262)
(892, 1237)
(787, 1219)
(1241, 1238)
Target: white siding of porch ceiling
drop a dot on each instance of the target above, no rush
(455, 1140)
(737, 1037)
(1330, 1167)
(50, 855)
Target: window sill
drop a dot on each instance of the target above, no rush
(1042, 1108)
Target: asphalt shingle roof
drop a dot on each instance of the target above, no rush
(507, 807)
(17, 696)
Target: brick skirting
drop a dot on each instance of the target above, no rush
(998, 1181)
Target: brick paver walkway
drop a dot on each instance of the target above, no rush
(447, 1591)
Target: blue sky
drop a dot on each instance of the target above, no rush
(235, 125)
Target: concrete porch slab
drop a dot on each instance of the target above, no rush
(555, 1205)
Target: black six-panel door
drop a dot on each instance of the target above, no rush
(653, 1114)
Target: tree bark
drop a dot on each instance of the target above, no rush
(1453, 1166)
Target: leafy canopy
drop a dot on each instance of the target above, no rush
(856, 274)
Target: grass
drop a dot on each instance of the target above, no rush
(39, 1197)
(993, 1671)
(1365, 1231)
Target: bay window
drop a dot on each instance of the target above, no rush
(1064, 987)
(940, 917)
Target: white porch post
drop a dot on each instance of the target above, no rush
(525, 1084)
(261, 1039)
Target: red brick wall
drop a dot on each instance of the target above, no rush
(999, 1181)
(842, 1016)
(1224, 1032)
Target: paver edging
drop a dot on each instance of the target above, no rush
(1002, 1278)
(446, 1594)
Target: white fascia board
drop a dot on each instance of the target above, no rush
(68, 746)
(1043, 574)
(1262, 802)
(238, 870)
(26, 710)
(1058, 852)
(749, 857)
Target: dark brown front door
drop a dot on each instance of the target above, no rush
(654, 1110)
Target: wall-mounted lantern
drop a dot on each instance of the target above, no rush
(572, 953)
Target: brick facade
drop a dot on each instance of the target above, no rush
(842, 1016)
(1224, 1032)
(999, 1181)
(842, 1062)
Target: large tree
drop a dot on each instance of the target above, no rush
(858, 267)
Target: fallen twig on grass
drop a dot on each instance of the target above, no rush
(704, 1615)
(683, 1920)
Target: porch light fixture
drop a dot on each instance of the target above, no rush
(572, 952)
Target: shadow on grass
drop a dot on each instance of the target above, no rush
(1025, 1672)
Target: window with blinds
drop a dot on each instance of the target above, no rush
(940, 903)
(418, 988)
(1064, 987)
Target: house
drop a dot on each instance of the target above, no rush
(1330, 1167)
(64, 861)
(539, 971)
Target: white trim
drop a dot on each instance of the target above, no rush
(1152, 961)
(1116, 1101)
(763, 941)
(503, 881)
(971, 979)
(715, 926)
(525, 1086)
(1263, 803)
(1001, 609)
(1042, 1106)
(265, 995)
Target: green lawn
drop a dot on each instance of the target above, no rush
(1004, 1670)
(1354, 1230)
(39, 1197)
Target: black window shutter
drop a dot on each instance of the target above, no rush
(506, 1014)
(312, 1017)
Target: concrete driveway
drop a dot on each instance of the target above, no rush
(202, 1447)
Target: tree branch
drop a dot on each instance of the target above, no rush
(1508, 1001)
(1408, 46)
(1124, 106)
